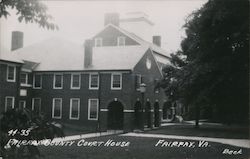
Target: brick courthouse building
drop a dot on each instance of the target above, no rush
(95, 85)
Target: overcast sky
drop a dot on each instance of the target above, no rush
(79, 20)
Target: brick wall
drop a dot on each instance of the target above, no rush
(8, 88)
(47, 93)
(109, 36)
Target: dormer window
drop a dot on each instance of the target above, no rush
(121, 41)
(98, 42)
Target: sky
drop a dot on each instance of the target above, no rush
(80, 20)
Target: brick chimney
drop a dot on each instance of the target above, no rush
(88, 53)
(157, 40)
(16, 40)
(111, 18)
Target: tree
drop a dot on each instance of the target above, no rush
(28, 10)
(23, 124)
(211, 69)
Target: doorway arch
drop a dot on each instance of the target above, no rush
(115, 115)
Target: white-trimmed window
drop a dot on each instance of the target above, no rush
(58, 81)
(93, 105)
(24, 78)
(37, 81)
(57, 108)
(121, 41)
(138, 81)
(22, 104)
(11, 73)
(98, 42)
(74, 108)
(93, 81)
(36, 104)
(116, 81)
(9, 103)
(75, 81)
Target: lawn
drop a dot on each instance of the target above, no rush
(139, 148)
(205, 130)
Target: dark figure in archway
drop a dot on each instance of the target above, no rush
(148, 115)
(138, 115)
(157, 115)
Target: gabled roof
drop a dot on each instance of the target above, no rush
(117, 58)
(61, 55)
(141, 41)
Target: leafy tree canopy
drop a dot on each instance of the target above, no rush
(29, 11)
(211, 69)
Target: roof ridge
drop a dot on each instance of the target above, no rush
(140, 40)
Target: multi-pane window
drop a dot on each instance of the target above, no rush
(98, 42)
(75, 81)
(74, 108)
(37, 81)
(11, 73)
(24, 78)
(138, 81)
(57, 108)
(93, 81)
(121, 41)
(9, 103)
(93, 109)
(116, 81)
(58, 81)
(36, 105)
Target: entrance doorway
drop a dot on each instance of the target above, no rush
(115, 115)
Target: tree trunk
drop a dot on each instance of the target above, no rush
(197, 116)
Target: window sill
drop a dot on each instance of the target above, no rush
(37, 87)
(57, 88)
(75, 88)
(11, 81)
(74, 118)
(92, 119)
(56, 117)
(115, 89)
(93, 88)
(25, 85)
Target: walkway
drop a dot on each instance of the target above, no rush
(234, 142)
(90, 135)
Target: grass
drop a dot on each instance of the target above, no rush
(140, 148)
(216, 131)
(70, 129)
